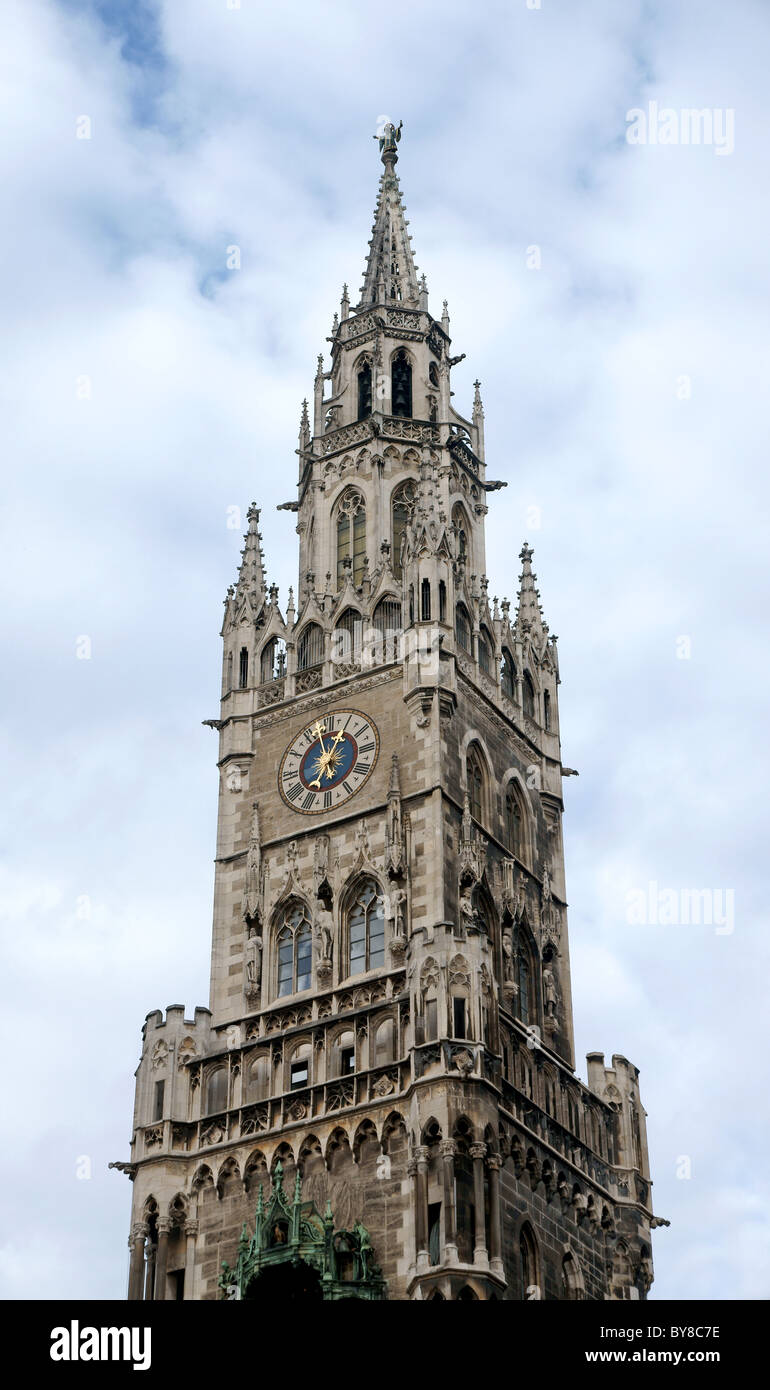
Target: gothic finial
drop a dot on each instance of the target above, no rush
(445, 317)
(389, 137)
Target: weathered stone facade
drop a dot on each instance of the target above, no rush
(383, 1090)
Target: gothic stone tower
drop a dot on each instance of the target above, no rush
(380, 1101)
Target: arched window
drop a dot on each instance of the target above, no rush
(387, 621)
(528, 695)
(486, 648)
(366, 929)
(571, 1281)
(546, 709)
(514, 821)
(351, 536)
(216, 1091)
(463, 627)
(365, 391)
(258, 1078)
(344, 1056)
(467, 1295)
(528, 1264)
(348, 636)
(508, 675)
(384, 1043)
(401, 384)
(272, 662)
(310, 647)
(243, 668)
(525, 999)
(295, 951)
(425, 601)
(474, 769)
(460, 523)
(401, 511)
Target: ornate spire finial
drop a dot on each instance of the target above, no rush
(389, 136)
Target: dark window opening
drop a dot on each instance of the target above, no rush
(243, 671)
(442, 601)
(160, 1087)
(347, 1060)
(546, 709)
(431, 1020)
(176, 1279)
(425, 600)
(365, 392)
(458, 1010)
(401, 384)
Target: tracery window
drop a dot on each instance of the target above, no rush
(528, 1264)
(528, 695)
(387, 621)
(351, 536)
(474, 768)
(508, 675)
(366, 929)
(514, 821)
(401, 511)
(348, 636)
(463, 627)
(295, 951)
(272, 662)
(310, 647)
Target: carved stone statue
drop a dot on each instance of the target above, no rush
(398, 901)
(389, 138)
(550, 993)
(253, 961)
(508, 970)
(467, 910)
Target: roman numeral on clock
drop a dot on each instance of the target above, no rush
(294, 791)
(366, 747)
(361, 768)
(308, 802)
(327, 800)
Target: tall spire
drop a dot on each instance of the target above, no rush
(529, 614)
(391, 274)
(251, 575)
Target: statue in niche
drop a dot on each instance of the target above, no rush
(253, 961)
(550, 993)
(398, 904)
(468, 917)
(508, 967)
(325, 923)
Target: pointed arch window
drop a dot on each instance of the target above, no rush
(243, 668)
(366, 929)
(401, 384)
(365, 391)
(295, 951)
(348, 636)
(385, 1043)
(460, 523)
(351, 537)
(514, 822)
(528, 695)
(401, 511)
(310, 648)
(486, 648)
(476, 779)
(216, 1091)
(258, 1078)
(508, 675)
(525, 999)
(463, 627)
(272, 662)
(387, 621)
(530, 1284)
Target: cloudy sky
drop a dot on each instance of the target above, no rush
(148, 390)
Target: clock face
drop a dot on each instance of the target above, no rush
(329, 761)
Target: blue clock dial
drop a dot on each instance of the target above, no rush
(329, 761)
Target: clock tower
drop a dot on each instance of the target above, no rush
(380, 1101)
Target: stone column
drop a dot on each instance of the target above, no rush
(478, 1154)
(494, 1163)
(136, 1268)
(421, 1223)
(161, 1261)
(191, 1232)
(149, 1271)
(448, 1151)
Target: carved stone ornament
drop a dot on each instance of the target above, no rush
(159, 1055)
(187, 1049)
(473, 850)
(462, 1060)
